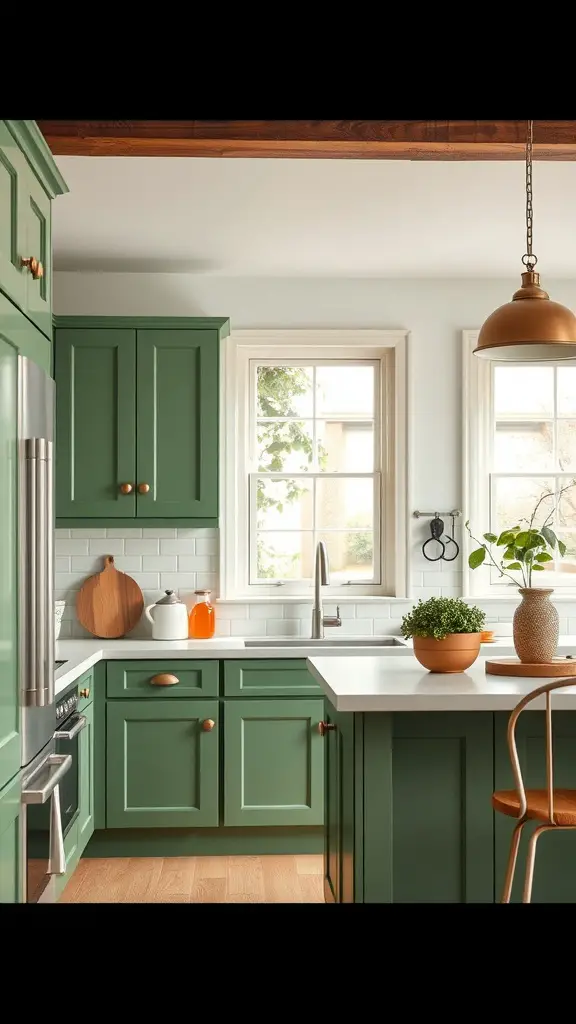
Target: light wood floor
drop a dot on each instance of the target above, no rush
(277, 879)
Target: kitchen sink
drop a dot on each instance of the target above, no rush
(382, 641)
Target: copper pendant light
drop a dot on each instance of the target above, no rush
(531, 327)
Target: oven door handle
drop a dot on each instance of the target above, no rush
(78, 722)
(55, 767)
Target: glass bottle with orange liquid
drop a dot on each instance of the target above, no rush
(201, 621)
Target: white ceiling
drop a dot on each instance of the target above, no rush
(311, 217)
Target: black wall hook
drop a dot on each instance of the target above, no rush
(436, 532)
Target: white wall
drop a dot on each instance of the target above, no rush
(434, 311)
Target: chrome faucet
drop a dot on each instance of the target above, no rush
(322, 579)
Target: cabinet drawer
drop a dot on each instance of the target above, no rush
(136, 679)
(268, 678)
(85, 690)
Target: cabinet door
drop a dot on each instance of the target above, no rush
(162, 763)
(38, 246)
(12, 223)
(86, 787)
(10, 879)
(274, 772)
(442, 820)
(554, 875)
(9, 721)
(95, 422)
(339, 852)
(177, 449)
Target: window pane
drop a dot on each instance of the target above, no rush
(284, 390)
(566, 445)
(284, 556)
(350, 555)
(285, 447)
(568, 563)
(342, 503)
(566, 390)
(284, 504)
(567, 509)
(344, 390)
(523, 390)
(521, 447)
(345, 446)
(515, 499)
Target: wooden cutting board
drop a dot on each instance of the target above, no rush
(558, 667)
(110, 603)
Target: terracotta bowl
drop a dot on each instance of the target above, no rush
(455, 653)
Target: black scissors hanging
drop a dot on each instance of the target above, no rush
(436, 534)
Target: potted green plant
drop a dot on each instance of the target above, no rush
(446, 633)
(525, 549)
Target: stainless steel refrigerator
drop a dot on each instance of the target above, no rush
(42, 844)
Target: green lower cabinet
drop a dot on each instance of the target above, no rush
(273, 758)
(554, 874)
(86, 778)
(341, 811)
(162, 763)
(409, 818)
(10, 880)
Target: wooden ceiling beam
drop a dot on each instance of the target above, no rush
(374, 140)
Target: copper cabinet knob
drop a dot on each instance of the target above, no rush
(324, 727)
(208, 724)
(126, 488)
(143, 488)
(164, 679)
(84, 693)
(33, 265)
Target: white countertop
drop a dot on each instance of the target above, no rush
(401, 684)
(80, 655)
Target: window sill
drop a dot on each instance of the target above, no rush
(556, 597)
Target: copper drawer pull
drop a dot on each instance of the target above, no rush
(33, 265)
(164, 679)
(126, 488)
(143, 488)
(208, 724)
(84, 693)
(324, 727)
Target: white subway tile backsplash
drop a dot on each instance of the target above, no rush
(146, 546)
(194, 563)
(178, 581)
(177, 547)
(124, 532)
(62, 563)
(159, 563)
(264, 611)
(207, 581)
(128, 563)
(164, 532)
(71, 547)
(88, 534)
(282, 627)
(61, 534)
(247, 627)
(87, 564)
(105, 547)
(231, 611)
(206, 546)
(68, 580)
(147, 580)
(351, 627)
(295, 611)
(222, 627)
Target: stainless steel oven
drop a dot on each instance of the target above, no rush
(50, 796)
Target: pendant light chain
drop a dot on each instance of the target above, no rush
(528, 259)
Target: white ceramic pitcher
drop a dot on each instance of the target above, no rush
(170, 618)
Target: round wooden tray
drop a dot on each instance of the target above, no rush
(558, 667)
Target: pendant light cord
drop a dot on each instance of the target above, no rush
(528, 259)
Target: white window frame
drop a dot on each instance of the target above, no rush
(239, 349)
(478, 425)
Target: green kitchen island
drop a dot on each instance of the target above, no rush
(411, 761)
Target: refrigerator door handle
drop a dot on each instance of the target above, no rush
(39, 541)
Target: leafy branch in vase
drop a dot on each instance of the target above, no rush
(526, 548)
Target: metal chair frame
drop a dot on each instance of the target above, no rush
(551, 824)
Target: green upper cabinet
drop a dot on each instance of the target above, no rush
(9, 734)
(177, 424)
(29, 179)
(95, 374)
(137, 419)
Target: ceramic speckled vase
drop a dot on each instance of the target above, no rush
(536, 626)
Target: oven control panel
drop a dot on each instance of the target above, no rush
(66, 704)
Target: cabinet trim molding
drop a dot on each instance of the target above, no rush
(37, 152)
(141, 323)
